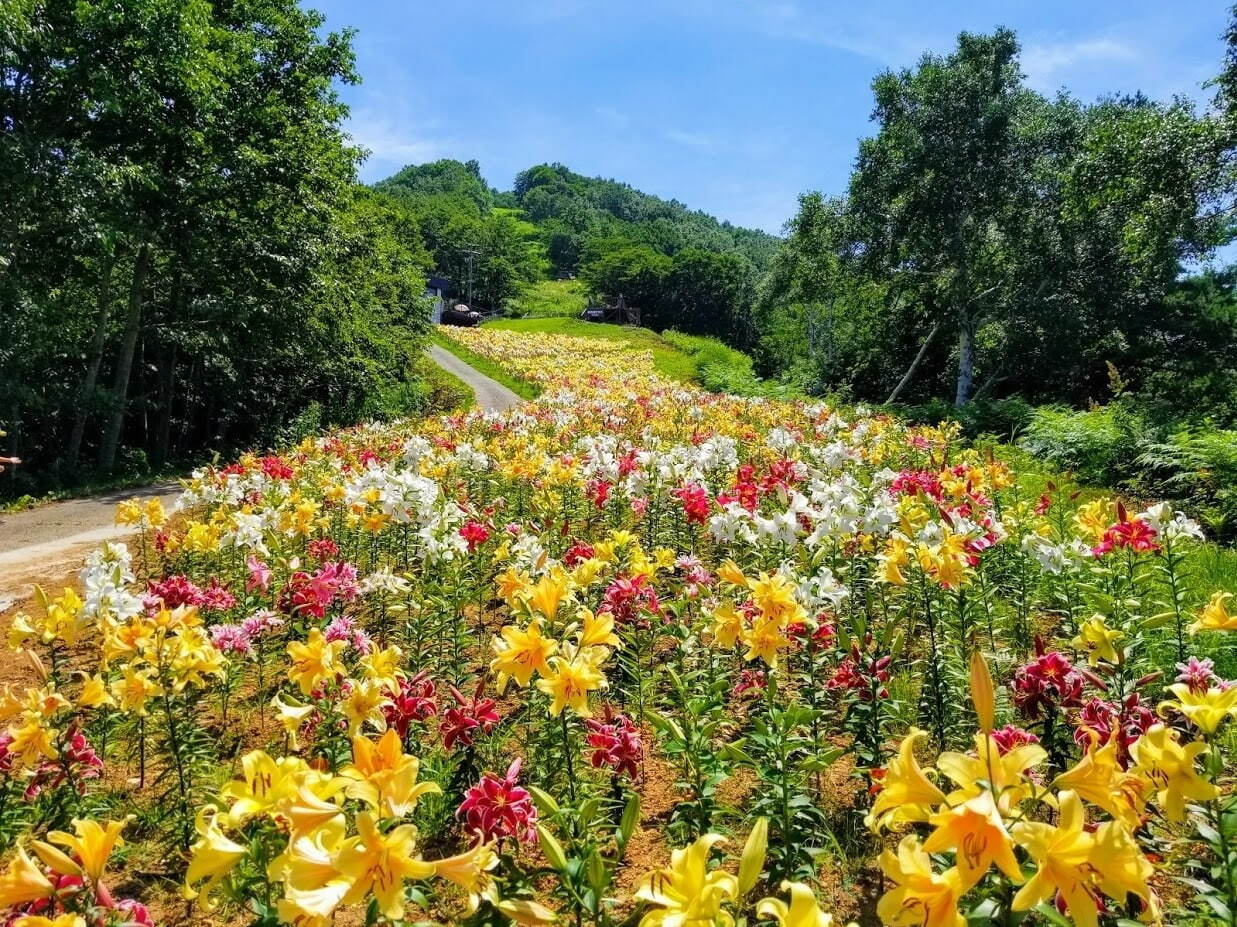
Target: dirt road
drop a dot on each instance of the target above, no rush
(48, 543)
(492, 396)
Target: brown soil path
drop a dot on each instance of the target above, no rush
(50, 541)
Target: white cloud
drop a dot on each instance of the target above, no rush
(390, 144)
(1046, 63)
(697, 140)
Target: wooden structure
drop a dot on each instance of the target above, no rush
(615, 311)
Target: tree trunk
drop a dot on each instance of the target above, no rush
(966, 360)
(910, 371)
(167, 396)
(97, 343)
(124, 362)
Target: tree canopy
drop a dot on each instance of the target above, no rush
(191, 263)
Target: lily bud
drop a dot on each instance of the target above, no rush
(753, 859)
(982, 694)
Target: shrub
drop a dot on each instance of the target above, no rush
(1099, 445)
(720, 368)
(1003, 418)
(1200, 467)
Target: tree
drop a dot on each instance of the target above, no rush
(931, 190)
(707, 294)
(1040, 236)
(183, 196)
(636, 272)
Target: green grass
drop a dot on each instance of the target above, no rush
(445, 392)
(723, 369)
(550, 298)
(522, 388)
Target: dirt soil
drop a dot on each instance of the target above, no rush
(49, 542)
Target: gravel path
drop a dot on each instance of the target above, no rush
(50, 541)
(492, 396)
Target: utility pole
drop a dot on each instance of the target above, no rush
(472, 254)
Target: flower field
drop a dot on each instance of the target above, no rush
(628, 653)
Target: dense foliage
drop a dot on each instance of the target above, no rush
(187, 261)
(573, 211)
(682, 268)
(468, 237)
(995, 242)
(629, 654)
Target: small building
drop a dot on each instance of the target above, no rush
(439, 290)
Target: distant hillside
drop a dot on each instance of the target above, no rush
(682, 268)
(570, 210)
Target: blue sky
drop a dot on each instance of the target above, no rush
(733, 107)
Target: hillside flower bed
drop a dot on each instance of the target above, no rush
(629, 653)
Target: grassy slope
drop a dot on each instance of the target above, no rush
(546, 298)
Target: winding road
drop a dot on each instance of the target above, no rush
(492, 396)
(49, 542)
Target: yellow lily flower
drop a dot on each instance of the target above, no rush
(134, 689)
(569, 682)
(315, 661)
(976, 831)
(1065, 854)
(382, 665)
(60, 920)
(32, 742)
(211, 858)
(727, 624)
(1098, 641)
(1159, 758)
(94, 693)
(549, 592)
(803, 911)
(729, 572)
(520, 653)
(906, 794)
(986, 769)
(265, 783)
(764, 639)
(384, 777)
(23, 881)
(774, 596)
(1099, 779)
(597, 630)
(313, 885)
(687, 891)
(364, 703)
(920, 897)
(893, 560)
(377, 864)
(469, 870)
(91, 842)
(513, 584)
(1123, 868)
(1215, 615)
(292, 715)
(1205, 710)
